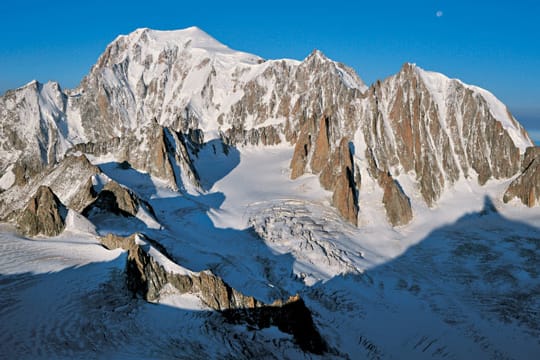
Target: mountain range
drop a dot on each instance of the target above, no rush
(189, 200)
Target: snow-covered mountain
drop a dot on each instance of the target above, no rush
(232, 182)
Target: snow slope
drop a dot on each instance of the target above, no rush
(439, 86)
(442, 287)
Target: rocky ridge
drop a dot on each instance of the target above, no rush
(43, 215)
(149, 270)
(440, 130)
(154, 96)
(334, 164)
(526, 187)
(116, 199)
(70, 180)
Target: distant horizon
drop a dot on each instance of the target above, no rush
(493, 46)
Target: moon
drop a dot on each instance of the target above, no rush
(439, 13)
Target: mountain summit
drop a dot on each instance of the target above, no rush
(419, 123)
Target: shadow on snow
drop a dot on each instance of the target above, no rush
(469, 286)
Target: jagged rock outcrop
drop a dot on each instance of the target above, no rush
(300, 155)
(148, 270)
(117, 199)
(396, 203)
(25, 169)
(69, 180)
(44, 214)
(321, 151)
(85, 196)
(265, 135)
(156, 150)
(333, 162)
(526, 186)
(339, 175)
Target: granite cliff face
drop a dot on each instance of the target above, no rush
(333, 163)
(43, 215)
(526, 187)
(70, 180)
(154, 97)
(115, 199)
(440, 130)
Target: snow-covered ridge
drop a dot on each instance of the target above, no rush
(439, 85)
(190, 38)
(161, 259)
(187, 75)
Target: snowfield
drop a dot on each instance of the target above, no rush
(458, 282)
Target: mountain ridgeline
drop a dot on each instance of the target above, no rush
(265, 209)
(155, 97)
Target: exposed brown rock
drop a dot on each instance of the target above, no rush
(405, 128)
(112, 241)
(401, 119)
(154, 160)
(179, 144)
(146, 276)
(126, 200)
(531, 154)
(116, 199)
(396, 203)
(344, 197)
(163, 150)
(265, 135)
(44, 214)
(321, 151)
(22, 173)
(334, 164)
(300, 155)
(526, 186)
(72, 170)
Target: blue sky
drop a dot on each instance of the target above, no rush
(492, 44)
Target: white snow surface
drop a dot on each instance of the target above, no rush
(8, 178)
(161, 259)
(76, 223)
(194, 38)
(375, 291)
(170, 296)
(439, 85)
(43, 255)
